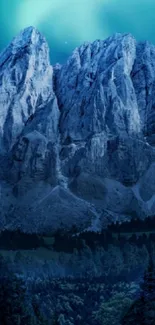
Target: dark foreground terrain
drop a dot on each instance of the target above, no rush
(90, 279)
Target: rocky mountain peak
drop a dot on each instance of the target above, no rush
(95, 89)
(26, 78)
(28, 38)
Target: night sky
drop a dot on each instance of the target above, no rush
(68, 23)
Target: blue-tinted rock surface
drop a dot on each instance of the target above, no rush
(76, 141)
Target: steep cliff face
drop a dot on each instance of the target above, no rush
(95, 91)
(25, 83)
(81, 133)
(98, 95)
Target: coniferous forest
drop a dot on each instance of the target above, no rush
(91, 279)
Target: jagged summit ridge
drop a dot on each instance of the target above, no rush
(27, 37)
(86, 127)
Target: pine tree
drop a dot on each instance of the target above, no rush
(148, 286)
(142, 312)
(13, 309)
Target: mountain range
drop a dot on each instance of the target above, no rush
(77, 141)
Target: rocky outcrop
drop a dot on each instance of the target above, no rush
(81, 133)
(35, 154)
(143, 77)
